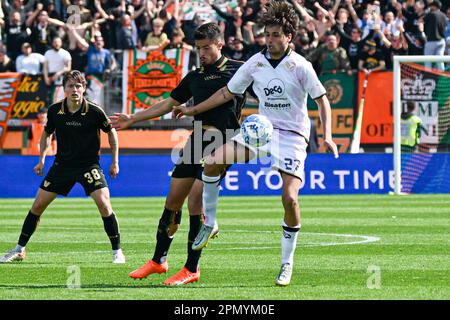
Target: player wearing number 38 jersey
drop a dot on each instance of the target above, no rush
(282, 81)
(77, 124)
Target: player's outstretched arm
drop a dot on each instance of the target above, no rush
(220, 97)
(122, 121)
(325, 119)
(114, 144)
(44, 144)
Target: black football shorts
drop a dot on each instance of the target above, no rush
(61, 179)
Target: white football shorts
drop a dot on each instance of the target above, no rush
(287, 151)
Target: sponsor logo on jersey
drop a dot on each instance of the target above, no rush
(275, 88)
(73, 123)
(212, 77)
(260, 65)
(61, 112)
(270, 105)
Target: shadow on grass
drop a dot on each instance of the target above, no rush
(103, 287)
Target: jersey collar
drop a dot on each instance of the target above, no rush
(84, 106)
(275, 62)
(218, 64)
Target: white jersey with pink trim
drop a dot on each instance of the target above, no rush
(282, 91)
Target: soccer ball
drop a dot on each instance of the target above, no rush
(256, 130)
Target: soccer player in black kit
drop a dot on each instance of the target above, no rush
(77, 124)
(200, 84)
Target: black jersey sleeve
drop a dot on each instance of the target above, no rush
(103, 120)
(50, 124)
(182, 93)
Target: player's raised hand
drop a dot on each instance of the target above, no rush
(121, 121)
(39, 169)
(332, 147)
(114, 170)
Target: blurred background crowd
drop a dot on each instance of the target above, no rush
(50, 37)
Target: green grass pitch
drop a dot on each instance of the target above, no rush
(350, 247)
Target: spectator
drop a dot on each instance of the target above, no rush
(29, 62)
(156, 40)
(236, 49)
(16, 34)
(258, 45)
(372, 59)
(43, 32)
(57, 62)
(435, 23)
(17, 6)
(399, 46)
(233, 21)
(412, 13)
(330, 57)
(125, 36)
(6, 64)
(177, 40)
(171, 21)
(302, 45)
(353, 45)
(109, 30)
(99, 60)
(416, 42)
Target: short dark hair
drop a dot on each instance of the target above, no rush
(280, 13)
(76, 76)
(209, 31)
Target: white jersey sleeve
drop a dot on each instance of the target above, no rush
(242, 78)
(310, 81)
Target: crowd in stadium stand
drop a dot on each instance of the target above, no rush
(335, 35)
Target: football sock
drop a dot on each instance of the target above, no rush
(210, 198)
(193, 256)
(163, 240)
(112, 230)
(28, 228)
(289, 243)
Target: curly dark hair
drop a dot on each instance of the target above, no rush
(280, 13)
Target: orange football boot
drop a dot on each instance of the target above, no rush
(183, 276)
(149, 268)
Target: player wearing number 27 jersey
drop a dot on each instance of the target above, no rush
(282, 81)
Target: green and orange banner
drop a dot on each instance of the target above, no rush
(150, 77)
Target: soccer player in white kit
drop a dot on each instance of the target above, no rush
(282, 79)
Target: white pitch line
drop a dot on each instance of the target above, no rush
(364, 240)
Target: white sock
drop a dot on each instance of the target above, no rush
(210, 198)
(19, 248)
(289, 243)
(117, 251)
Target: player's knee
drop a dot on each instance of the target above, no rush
(105, 209)
(290, 201)
(38, 207)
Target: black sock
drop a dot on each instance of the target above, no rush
(28, 228)
(112, 230)
(163, 241)
(193, 256)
